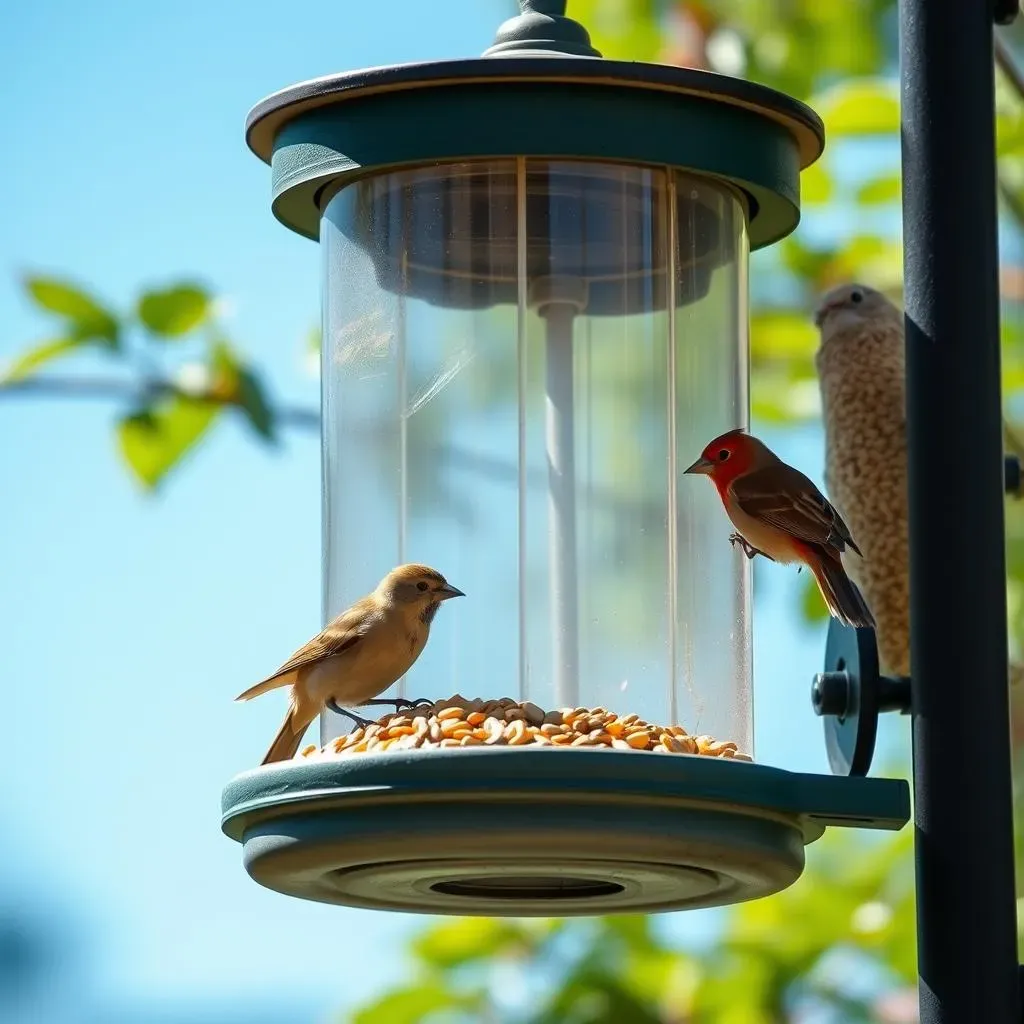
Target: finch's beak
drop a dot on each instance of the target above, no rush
(702, 465)
(447, 592)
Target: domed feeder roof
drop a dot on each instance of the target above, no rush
(540, 91)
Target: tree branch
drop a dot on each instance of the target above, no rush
(116, 388)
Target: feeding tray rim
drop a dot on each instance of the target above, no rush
(520, 832)
(271, 113)
(476, 774)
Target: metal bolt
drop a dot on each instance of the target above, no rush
(830, 693)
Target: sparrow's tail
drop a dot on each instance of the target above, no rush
(844, 600)
(289, 736)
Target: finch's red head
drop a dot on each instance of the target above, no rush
(731, 455)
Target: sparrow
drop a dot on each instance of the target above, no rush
(861, 376)
(779, 513)
(861, 368)
(358, 655)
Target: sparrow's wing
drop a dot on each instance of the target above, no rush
(786, 499)
(336, 637)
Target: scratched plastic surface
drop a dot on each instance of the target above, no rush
(519, 358)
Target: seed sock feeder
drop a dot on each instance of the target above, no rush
(535, 306)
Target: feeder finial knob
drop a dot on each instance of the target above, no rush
(552, 8)
(542, 29)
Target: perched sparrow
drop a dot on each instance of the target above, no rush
(781, 514)
(358, 655)
(860, 363)
(861, 373)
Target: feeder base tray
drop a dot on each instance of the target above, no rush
(548, 832)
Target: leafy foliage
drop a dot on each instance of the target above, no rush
(172, 405)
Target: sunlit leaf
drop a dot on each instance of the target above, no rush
(86, 317)
(413, 1004)
(456, 942)
(860, 106)
(172, 312)
(782, 334)
(235, 384)
(816, 184)
(812, 605)
(885, 189)
(28, 362)
(153, 441)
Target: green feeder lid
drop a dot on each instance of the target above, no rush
(540, 91)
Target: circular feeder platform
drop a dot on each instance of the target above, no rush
(551, 833)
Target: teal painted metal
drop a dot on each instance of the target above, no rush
(498, 831)
(320, 134)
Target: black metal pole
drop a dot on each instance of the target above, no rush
(967, 955)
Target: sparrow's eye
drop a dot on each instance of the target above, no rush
(421, 585)
(723, 454)
(856, 296)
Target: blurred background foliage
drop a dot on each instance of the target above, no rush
(839, 945)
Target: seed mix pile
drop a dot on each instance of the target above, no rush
(459, 722)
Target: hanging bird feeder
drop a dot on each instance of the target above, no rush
(535, 315)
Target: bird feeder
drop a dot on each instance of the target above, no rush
(535, 316)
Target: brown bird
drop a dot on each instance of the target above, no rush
(781, 514)
(359, 654)
(860, 363)
(861, 368)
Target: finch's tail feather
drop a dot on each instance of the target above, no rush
(844, 600)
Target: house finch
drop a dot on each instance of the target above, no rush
(860, 364)
(781, 514)
(359, 654)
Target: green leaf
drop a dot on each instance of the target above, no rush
(453, 943)
(860, 106)
(172, 312)
(253, 401)
(884, 189)
(411, 1005)
(235, 383)
(782, 334)
(87, 318)
(153, 440)
(28, 362)
(816, 184)
(812, 605)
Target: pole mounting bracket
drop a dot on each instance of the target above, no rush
(850, 695)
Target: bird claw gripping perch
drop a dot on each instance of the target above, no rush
(849, 696)
(345, 713)
(748, 549)
(398, 703)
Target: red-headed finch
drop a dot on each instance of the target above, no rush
(781, 514)
(359, 654)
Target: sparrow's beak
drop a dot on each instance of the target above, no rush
(702, 465)
(823, 311)
(447, 592)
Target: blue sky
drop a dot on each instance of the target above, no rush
(131, 622)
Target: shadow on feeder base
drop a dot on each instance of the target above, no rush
(548, 833)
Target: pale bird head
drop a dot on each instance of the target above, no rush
(852, 305)
(416, 585)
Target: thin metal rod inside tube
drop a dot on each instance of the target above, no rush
(560, 422)
(967, 951)
(672, 270)
(402, 399)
